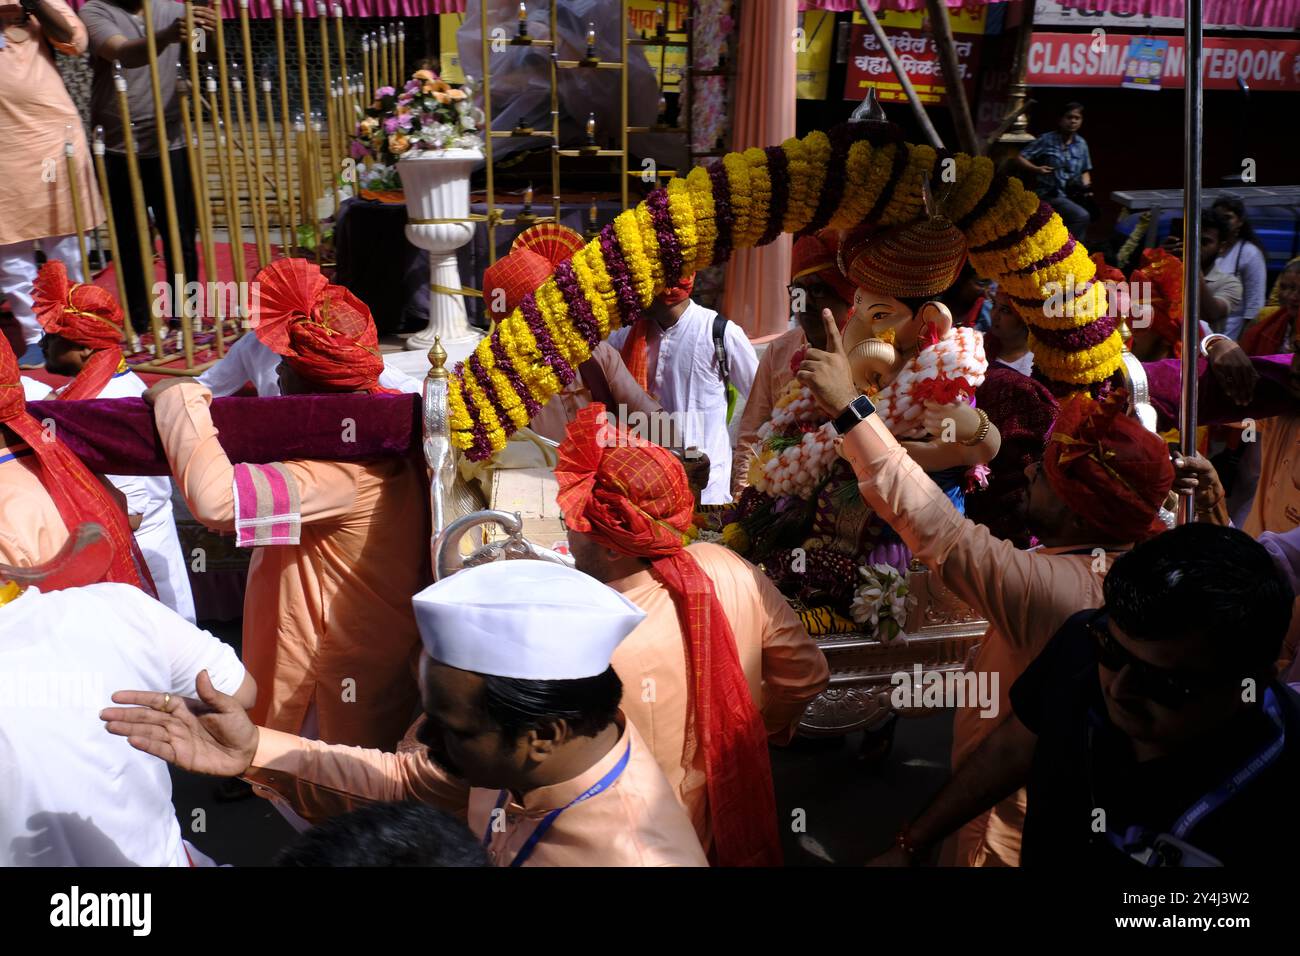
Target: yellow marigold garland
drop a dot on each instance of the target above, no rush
(706, 225)
(857, 195)
(867, 171)
(906, 202)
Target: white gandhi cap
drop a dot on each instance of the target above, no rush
(524, 619)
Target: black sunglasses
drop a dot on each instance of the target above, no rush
(1168, 688)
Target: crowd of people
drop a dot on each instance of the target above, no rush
(620, 708)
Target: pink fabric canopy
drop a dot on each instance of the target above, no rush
(1247, 13)
(844, 6)
(262, 10)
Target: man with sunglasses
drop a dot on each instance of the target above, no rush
(1153, 730)
(816, 283)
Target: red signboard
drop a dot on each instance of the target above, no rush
(868, 65)
(1082, 59)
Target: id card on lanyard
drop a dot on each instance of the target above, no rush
(548, 821)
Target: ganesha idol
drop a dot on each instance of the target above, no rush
(802, 517)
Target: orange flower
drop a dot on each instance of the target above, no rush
(398, 143)
(423, 75)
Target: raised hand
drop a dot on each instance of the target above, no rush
(211, 735)
(1233, 370)
(827, 373)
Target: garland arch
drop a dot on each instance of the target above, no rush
(856, 172)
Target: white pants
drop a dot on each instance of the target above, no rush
(18, 272)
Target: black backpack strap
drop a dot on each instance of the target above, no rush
(720, 348)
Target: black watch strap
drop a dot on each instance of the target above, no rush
(854, 414)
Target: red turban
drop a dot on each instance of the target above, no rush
(633, 497)
(323, 330)
(515, 275)
(1108, 468)
(78, 495)
(84, 315)
(816, 254)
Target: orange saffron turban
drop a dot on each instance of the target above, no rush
(633, 497)
(324, 331)
(1108, 468)
(84, 315)
(78, 495)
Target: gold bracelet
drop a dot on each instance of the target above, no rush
(982, 432)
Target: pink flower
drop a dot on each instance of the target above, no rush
(385, 91)
(390, 124)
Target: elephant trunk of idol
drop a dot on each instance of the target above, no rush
(873, 362)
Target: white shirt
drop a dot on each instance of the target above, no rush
(684, 377)
(150, 497)
(71, 794)
(34, 391)
(249, 360)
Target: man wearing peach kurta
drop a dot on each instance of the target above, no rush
(628, 506)
(37, 120)
(340, 547)
(508, 648)
(1099, 489)
(816, 282)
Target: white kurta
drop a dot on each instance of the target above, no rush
(34, 391)
(248, 360)
(72, 794)
(150, 496)
(684, 376)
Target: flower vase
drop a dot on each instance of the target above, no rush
(436, 184)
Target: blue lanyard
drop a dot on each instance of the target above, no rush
(19, 451)
(1217, 797)
(548, 821)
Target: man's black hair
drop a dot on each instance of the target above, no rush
(387, 834)
(588, 704)
(1071, 106)
(1206, 580)
(1212, 220)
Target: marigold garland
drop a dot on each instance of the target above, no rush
(868, 173)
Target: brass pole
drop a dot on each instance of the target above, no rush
(202, 212)
(383, 57)
(102, 174)
(78, 218)
(394, 78)
(308, 143)
(142, 233)
(234, 218)
(487, 134)
(285, 127)
(194, 134)
(280, 185)
(258, 198)
(345, 83)
(230, 209)
(365, 67)
(237, 88)
(402, 76)
(622, 80)
(330, 103)
(169, 188)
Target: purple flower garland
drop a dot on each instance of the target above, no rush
(485, 382)
(670, 247)
(991, 196)
(778, 167)
(545, 344)
(566, 280)
(723, 217)
(1079, 338)
(842, 137)
(1037, 221)
(507, 368)
(896, 171)
(629, 305)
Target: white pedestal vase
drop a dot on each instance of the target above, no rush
(436, 184)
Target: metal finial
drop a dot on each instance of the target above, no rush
(869, 110)
(438, 360)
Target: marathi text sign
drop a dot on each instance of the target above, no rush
(1080, 59)
(869, 66)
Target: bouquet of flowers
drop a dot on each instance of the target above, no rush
(427, 114)
(798, 446)
(881, 600)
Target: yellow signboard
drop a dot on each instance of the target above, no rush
(964, 20)
(668, 62)
(813, 55)
(448, 24)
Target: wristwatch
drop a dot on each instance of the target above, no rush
(857, 411)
